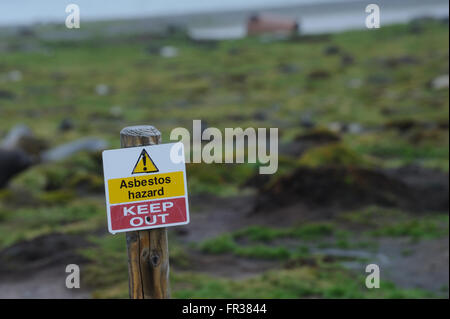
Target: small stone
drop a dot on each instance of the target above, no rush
(116, 111)
(168, 52)
(153, 49)
(441, 82)
(354, 128)
(234, 51)
(66, 150)
(66, 125)
(102, 89)
(12, 139)
(14, 76)
(288, 68)
(355, 83)
(379, 79)
(331, 50)
(347, 60)
(306, 121)
(393, 62)
(318, 75)
(335, 127)
(11, 163)
(8, 95)
(260, 116)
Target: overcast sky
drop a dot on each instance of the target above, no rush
(30, 11)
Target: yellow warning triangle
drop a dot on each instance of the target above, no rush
(144, 164)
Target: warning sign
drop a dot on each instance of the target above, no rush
(145, 188)
(144, 164)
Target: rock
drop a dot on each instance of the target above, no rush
(302, 143)
(153, 49)
(355, 128)
(12, 139)
(352, 128)
(355, 83)
(12, 76)
(168, 52)
(331, 50)
(379, 79)
(347, 60)
(234, 51)
(393, 62)
(318, 137)
(66, 150)
(32, 145)
(15, 76)
(336, 127)
(66, 125)
(260, 116)
(7, 95)
(403, 125)
(11, 163)
(21, 138)
(116, 111)
(288, 68)
(441, 82)
(102, 89)
(58, 76)
(319, 75)
(306, 121)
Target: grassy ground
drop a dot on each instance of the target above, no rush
(379, 81)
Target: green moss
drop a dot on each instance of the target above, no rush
(372, 216)
(416, 228)
(260, 233)
(304, 282)
(262, 251)
(313, 231)
(221, 244)
(227, 243)
(81, 171)
(332, 155)
(27, 223)
(108, 265)
(393, 149)
(386, 222)
(310, 231)
(218, 179)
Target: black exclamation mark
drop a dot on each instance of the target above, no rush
(145, 161)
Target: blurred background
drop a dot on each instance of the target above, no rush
(363, 119)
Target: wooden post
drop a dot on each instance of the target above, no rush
(148, 253)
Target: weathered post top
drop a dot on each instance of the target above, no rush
(139, 135)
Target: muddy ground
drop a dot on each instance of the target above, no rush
(35, 269)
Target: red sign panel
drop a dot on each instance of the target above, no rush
(149, 214)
